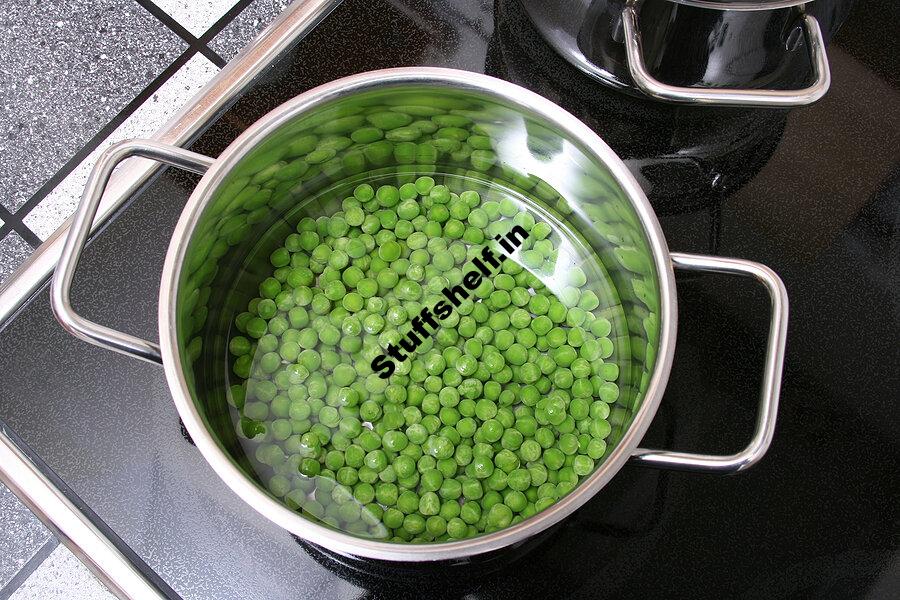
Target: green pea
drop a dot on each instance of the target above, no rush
(457, 528)
(408, 502)
(390, 251)
(583, 465)
(389, 120)
(466, 365)
(499, 516)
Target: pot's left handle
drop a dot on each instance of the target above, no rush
(80, 228)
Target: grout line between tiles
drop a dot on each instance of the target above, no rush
(181, 32)
(13, 222)
(225, 20)
(28, 568)
(104, 133)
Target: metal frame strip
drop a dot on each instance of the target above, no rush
(83, 532)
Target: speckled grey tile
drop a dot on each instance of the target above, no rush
(61, 577)
(68, 68)
(21, 535)
(13, 251)
(246, 26)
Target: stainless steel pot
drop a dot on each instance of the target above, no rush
(536, 143)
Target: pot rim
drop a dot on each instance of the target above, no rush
(337, 541)
(742, 5)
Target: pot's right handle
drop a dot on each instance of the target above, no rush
(771, 384)
(80, 228)
(726, 96)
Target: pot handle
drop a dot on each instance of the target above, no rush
(80, 228)
(771, 384)
(727, 96)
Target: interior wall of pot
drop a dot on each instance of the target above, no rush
(307, 166)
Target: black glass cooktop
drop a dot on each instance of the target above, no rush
(813, 192)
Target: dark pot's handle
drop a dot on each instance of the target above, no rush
(726, 96)
(80, 228)
(771, 384)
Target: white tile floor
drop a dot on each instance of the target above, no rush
(32, 564)
(197, 16)
(61, 577)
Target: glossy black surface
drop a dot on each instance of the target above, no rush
(814, 193)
